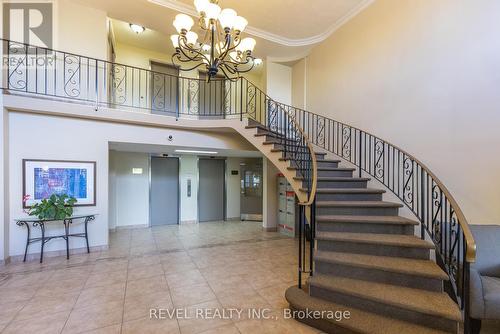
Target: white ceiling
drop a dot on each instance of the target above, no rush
(284, 30)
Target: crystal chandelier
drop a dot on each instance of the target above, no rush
(221, 49)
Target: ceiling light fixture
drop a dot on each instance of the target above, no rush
(136, 28)
(198, 152)
(221, 48)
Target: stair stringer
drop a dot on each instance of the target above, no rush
(274, 157)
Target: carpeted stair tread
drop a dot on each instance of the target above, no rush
(338, 169)
(396, 220)
(323, 160)
(425, 302)
(347, 191)
(359, 204)
(373, 238)
(359, 321)
(422, 268)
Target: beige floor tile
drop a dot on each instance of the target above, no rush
(142, 261)
(183, 278)
(10, 295)
(191, 294)
(146, 286)
(229, 282)
(34, 279)
(44, 324)
(145, 272)
(141, 305)
(78, 272)
(47, 305)
(275, 294)
(62, 287)
(208, 318)
(150, 326)
(101, 295)
(8, 311)
(94, 317)
(105, 266)
(226, 329)
(114, 329)
(247, 299)
(106, 278)
(177, 267)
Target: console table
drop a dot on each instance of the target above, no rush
(36, 222)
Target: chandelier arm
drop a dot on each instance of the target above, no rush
(191, 68)
(198, 55)
(230, 78)
(227, 45)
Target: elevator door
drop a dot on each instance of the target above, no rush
(164, 191)
(211, 190)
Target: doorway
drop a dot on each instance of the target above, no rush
(211, 192)
(164, 202)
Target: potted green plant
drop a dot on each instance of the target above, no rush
(56, 207)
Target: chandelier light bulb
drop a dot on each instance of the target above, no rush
(183, 22)
(227, 17)
(175, 40)
(257, 61)
(191, 37)
(205, 47)
(212, 11)
(246, 44)
(239, 23)
(201, 5)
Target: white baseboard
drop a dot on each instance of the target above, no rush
(47, 254)
(131, 227)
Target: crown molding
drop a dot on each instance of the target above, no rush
(269, 36)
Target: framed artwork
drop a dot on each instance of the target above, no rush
(42, 178)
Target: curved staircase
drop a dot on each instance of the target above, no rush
(367, 258)
(368, 261)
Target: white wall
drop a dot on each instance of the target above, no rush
(189, 205)
(425, 75)
(129, 193)
(80, 29)
(233, 188)
(270, 195)
(299, 84)
(4, 184)
(279, 82)
(4, 208)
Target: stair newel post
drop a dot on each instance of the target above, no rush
(301, 214)
(285, 127)
(241, 99)
(466, 293)
(422, 204)
(360, 150)
(312, 228)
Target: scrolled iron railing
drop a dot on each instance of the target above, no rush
(55, 74)
(421, 191)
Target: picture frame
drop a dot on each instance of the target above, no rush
(42, 178)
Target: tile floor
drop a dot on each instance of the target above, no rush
(210, 266)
